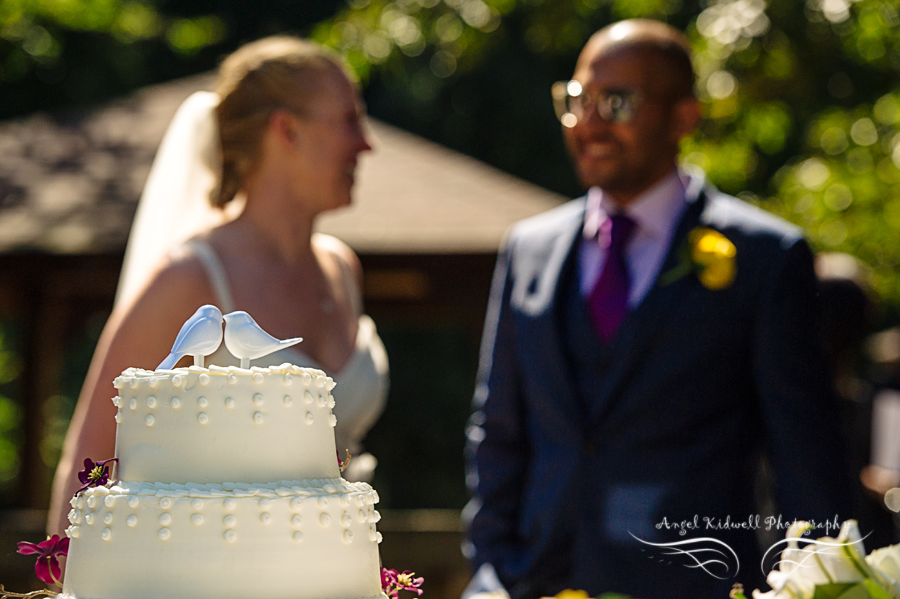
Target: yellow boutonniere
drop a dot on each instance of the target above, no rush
(708, 254)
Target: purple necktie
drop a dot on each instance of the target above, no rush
(608, 302)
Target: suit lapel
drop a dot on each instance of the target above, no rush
(644, 324)
(545, 294)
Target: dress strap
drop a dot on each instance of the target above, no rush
(215, 271)
(352, 286)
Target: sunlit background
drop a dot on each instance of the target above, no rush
(802, 106)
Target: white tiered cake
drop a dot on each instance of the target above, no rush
(229, 489)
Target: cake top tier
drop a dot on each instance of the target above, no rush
(216, 424)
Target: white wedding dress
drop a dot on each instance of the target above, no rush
(174, 209)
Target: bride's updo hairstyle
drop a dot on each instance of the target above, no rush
(273, 73)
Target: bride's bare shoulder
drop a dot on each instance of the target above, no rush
(340, 250)
(181, 278)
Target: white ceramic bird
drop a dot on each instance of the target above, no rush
(247, 341)
(199, 336)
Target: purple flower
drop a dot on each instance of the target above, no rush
(392, 582)
(95, 474)
(47, 566)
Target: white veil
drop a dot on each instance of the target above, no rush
(174, 205)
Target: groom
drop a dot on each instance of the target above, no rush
(625, 394)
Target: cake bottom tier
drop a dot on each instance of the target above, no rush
(287, 540)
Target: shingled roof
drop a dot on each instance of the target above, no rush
(69, 184)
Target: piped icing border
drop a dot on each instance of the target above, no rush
(284, 488)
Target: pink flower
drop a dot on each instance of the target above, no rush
(392, 582)
(47, 566)
(95, 474)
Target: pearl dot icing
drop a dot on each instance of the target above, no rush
(230, 536)
(258, 399)
(288, 379)
(133, 501)
(150, 420)
(331, 401)
(92, 502)
(202, 402)
(177, 380)
(297, 520)
(345, 519)
(296, 502)
(197, 519)
(323, 401)
(202, 418)
(133, 403)
(320, 381)
(151, 402)
(165, 503)
(229, 520)
(229, 403)
(204, 379)
(106, 534)
(258, 418)
(297, 536)
(232, 379)
(362, 516)
(131, 520)
(165, 519)
(118, 417)
(133, 383)
(229, 503)
(348, 537)
(378, 537)
(164, 534)
(372, 536)
(197, 503)
(73, 531)
(307, 379)
(153, 382)
(325, 519)
(345, 501)
(175, 403)
(307, 397)
(323, 502)
(258, 378)
(310, 418)
(333, 420)
(288, 402)
(265, 503)
(107, 519)
(265, 518)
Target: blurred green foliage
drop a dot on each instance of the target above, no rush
(59, 53)
(11, 412)
(801, 98)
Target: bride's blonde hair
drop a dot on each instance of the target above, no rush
(257, 79)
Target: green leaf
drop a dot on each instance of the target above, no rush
(834, 590)
(876, 591)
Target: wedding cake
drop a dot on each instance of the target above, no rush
(228, 488)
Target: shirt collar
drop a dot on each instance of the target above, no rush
(654, 211)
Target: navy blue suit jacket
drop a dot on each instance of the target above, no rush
(579, 452)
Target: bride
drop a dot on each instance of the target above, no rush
(290, 127)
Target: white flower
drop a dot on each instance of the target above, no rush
(886, 564)
(825, 561)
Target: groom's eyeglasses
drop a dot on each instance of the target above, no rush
(572, 104)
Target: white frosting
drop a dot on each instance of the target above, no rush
(221, 424)
(291, 529)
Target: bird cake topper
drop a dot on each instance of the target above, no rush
(246, 340)
(201, 335)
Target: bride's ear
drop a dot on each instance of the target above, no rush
(284, 127)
